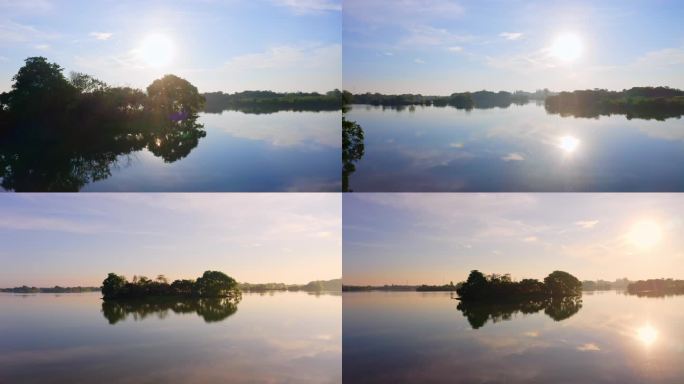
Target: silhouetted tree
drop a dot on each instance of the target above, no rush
(559, 283)
(112, 285)
(176, 98)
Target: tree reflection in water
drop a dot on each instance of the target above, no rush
(557, 308)
(87, 154)
(210, 309)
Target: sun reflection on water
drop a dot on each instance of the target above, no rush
(568, 143)
(647, 335)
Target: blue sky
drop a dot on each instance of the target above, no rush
(436, 238)
(227, 45)
(77, 239)
(443, 46)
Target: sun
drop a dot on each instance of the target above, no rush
(567, 47)
(645, 234)
(568, 143)
(157, 50)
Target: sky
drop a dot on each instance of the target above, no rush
(72, 240)
(218, 45)
(408, 238)
(438, 47)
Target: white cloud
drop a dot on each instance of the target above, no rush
(419, 61)
(513, 157)
(422, 36)
(511, 35)
(587, 224)
(455, 49)
(287, 56)
(310, 6)
(42, 47)
(456, 145)
(531, 239)
(402, 12)
(102, 35)
(588, 347)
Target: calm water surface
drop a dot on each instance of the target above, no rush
(423, 338)
(273, 338)
(231, 151)
(520, 148)
(283, 151)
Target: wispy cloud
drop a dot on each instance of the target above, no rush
(513, 157)
(419, 61)
(101, 35)
(587, 224)
(288, 56)
(530, 239)
(511, 35)
(310, 6)
(588, 347)
(455, 48)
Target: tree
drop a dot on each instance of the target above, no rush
(86, 83)
(112, 285)
(559, 283)
(174, 97)
(216, 284)
(162, 279)
(39, 87)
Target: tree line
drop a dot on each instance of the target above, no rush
(334, 285)
(269, 101)
(657, 103)
(55, 289)
(462, 100)
(656, 287)
(212, 284)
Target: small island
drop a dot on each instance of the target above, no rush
(212, 284)
(500, 288)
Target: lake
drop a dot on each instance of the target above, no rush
(417, 337)
(284, 337)
(241, 152)
(519, 148)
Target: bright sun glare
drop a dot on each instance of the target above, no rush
(157, 50)
(647, 335)
(568, 143)
(567, 47)
(645, 234)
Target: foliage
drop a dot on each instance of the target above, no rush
(58, 134)
(269, 101)
(560, 283)
(353, 148)
(462, 100)
(55, 289)
(438, 288)
(334, 285)
(648, 103)
(174, 97)
(479, 287)
(211, 284)
(656, 287)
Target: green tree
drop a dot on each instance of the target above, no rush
(112, 285)
(559, 283)
(39, 87)
(216, 284)
(174, 95)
